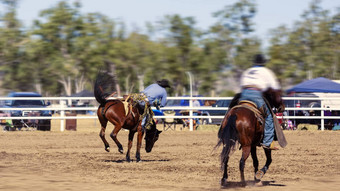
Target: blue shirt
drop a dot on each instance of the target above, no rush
(155, 92)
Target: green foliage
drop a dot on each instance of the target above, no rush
(227, 93)
(64, 49)
(308, 50)
(11, 54)
(237, 17)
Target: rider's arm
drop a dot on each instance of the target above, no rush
(163, 100)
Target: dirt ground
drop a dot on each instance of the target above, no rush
(180, 160)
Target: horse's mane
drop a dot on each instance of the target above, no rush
(104, 86)
(273, 97)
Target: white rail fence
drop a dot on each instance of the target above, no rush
(62, 107)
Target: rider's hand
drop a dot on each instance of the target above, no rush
(156, 105)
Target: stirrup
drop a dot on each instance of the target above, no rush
(270, 147)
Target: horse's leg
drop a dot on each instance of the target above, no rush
(259, 174)
(113, 135)
(225, 173)
(255, 161)
(245, 155)
(131, 135)
(139, 143)
(103, 123)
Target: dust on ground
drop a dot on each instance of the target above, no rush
(180, 160)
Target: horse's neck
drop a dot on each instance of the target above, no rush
(273, 97)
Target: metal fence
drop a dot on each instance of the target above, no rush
(62, 107)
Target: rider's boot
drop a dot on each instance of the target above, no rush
(270, 147)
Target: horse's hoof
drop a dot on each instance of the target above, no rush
(258, 183)
(107, 149)
(243, 184)
(224, 182)
(121, 151)
(259, 175)
(256, 180)
(138, 159)
(128, 159)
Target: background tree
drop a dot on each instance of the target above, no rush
(233, 31)
(74, 46)
(63, 51)
(283, 56)
(180, 33)
(13, 74)
(308, 50)
(56, 37)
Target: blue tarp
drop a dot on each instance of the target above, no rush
(316, 85)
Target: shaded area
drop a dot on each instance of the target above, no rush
(132, 160)
(251, 184)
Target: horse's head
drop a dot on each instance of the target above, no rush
(275, 99)
(151, 137)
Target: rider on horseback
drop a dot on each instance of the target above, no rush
(255, 81)
(156, 96)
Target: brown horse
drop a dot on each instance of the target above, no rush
(242, 125)
(114, 111)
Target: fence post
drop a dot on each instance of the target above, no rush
(191, 115)
(62, 114)
(322, 116)
(191, 126)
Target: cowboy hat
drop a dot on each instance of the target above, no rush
(259, 59)
(164, 83)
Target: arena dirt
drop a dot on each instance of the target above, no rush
(180, 160)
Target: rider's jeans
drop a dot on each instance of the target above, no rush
(143, 122)
(256, 97)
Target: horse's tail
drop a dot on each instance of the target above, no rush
(104, 86)
(228, 136)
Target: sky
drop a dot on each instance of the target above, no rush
(135, 13)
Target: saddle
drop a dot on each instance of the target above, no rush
(128, 102)
(132, 100)
(260, 114)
